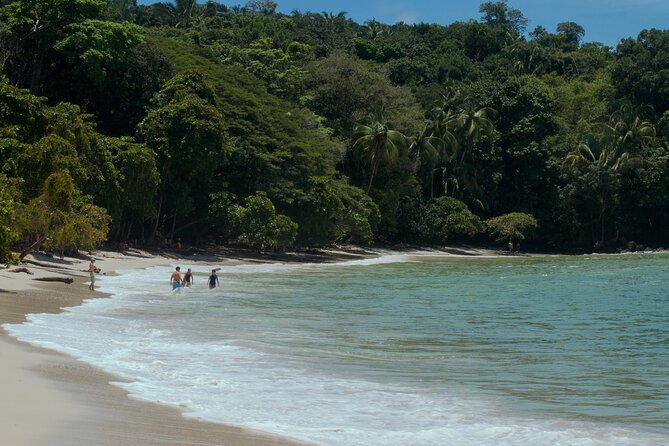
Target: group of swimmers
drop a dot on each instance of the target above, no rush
(177, 282)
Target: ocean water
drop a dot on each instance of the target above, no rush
(395, 351)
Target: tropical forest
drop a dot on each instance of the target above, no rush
(209, 124)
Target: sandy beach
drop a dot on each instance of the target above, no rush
(53, 399)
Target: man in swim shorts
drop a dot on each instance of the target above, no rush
(175, 278)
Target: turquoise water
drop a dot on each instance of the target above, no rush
(399, 350)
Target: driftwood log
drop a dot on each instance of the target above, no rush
(42, 264)
(67, 280)
(21, 270)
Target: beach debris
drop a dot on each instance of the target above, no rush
(67, 280)
(43, 264)
(21, 270)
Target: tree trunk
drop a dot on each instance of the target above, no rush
(32, 247)
(152, 237)
(67, 280)
(174, 224)
(188, 225)
(371, 177)
(37, 67)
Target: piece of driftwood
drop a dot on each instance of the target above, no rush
(67, 280)
(21, 270)
(42, 264)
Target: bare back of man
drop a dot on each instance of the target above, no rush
(175, 279)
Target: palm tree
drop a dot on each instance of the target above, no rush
(472, 125)
(374, 29)
(629, 131)
(376, 142)
(428, 149)
(178, 12)
(605, 157)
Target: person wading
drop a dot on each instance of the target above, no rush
(175, 278)
(213, 280)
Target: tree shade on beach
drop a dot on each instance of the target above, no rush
(175, 120)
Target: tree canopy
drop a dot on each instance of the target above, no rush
(216, 124)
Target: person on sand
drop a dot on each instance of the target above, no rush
(213, 280)
(91, 270)
(175, 278)
(188, 278)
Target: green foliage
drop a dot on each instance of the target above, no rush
(572, 32)
(376, 143)
(445, 219)
(499, 14)
(379, 50)
(167, 115)
(60, 218)
(9, 193)
(258, 225)
(281, 70)
(512, 227)
(334, 211)
(95, 46)
(641, 71)
(187, 133)
(346, 90)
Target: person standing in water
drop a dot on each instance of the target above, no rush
(175, 278)
(213, 280)
(188, 278)
(91, 270)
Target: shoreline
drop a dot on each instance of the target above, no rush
(53, 398)
(73, 402)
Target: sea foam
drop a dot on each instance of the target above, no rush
(175, 354)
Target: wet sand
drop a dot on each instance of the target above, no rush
(49, 398)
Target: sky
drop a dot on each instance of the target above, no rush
(605, 21)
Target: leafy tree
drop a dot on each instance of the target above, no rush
(446, 219)
(346, 90)
(45, 23)
(60, 218)
(281, 70)
(138, 185)
(258, 225)
(512, 227)
(9, 193)
(641, 71)
(185, 129)
(499, 14)
(94, 47)
(572, 32)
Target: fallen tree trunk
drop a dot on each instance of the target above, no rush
(21, 270)
(67, 280)
(42, 264)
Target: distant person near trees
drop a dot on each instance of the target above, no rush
(91, 270)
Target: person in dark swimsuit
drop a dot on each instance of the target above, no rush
(213, 280)
(188, 278)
